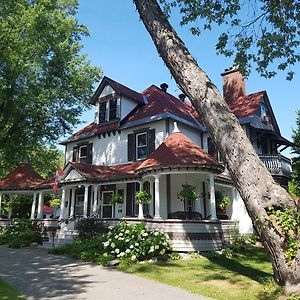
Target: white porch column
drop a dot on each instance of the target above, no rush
(157, 200)
(213, 214)
(85, 201)
(96, 188)
(235, 205)
(10, 209)
(141, 212)
(73, 203)
(33, 206)
(0, 204)
(63, 202)
(152, 197)
(40, 206)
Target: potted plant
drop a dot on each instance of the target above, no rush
(117, 199)
(222, 200)
(143, 197)
(188, 192)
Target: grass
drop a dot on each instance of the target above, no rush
(7, 292)
(243, 277)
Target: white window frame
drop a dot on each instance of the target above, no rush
(107, 108)
(79, 150)
(137, 146)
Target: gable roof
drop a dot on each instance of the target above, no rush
(160, 102)
(23, 177)
(103, 173)
(119, 89)
(245, 106)
(179, 151)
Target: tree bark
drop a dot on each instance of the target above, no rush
(253, 181)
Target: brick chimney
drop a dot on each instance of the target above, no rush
(233, 84)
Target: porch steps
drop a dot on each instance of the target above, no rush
(63, 237)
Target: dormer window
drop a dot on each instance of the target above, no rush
(109, 110)
(264, 113)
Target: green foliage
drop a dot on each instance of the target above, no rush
(143, 197)
(175, 256)
(136, 242)
(21, 233)
(271, 290)
(227, 252)
(287, 224)
(45, 81)
(117, 198)
(264, 34)
(125, 242)
(90, 227)
(188, 192)
(296, 159)
(222, 200)
(55, 203)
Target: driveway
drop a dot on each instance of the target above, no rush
(38, 275)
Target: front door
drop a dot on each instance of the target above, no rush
(107, 206)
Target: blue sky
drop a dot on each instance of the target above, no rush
(121, 46)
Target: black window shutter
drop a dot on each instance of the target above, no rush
(89, 158)
(129, 199)
(75, 154)
(131, 147)
(151, 140)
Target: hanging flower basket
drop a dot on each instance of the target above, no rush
(143, 197)
(117, 199)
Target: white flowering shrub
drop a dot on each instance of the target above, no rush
(134, 242)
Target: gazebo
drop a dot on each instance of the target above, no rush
(25, 180)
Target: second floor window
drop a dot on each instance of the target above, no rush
(141, 145)
(83, 153)
(109, 110)
(212, 150)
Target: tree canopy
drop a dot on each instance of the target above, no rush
(45, 80)
(296, 159)
(264, 34)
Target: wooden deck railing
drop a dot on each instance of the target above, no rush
(277, 164)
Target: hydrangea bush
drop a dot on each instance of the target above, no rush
(128, 243)
(135, 242)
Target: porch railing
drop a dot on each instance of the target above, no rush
(277, 164)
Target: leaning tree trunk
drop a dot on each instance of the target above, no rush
(253, 181)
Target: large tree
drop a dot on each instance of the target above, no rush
(45, 80)
(267, 203)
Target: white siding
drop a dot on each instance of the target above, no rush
(108, 90)
(127, 106)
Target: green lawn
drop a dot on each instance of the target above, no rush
(7, 292)
(242, 277)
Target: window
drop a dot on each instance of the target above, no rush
(212, 150)
(141, 145)
(83, 153)
(109, 110)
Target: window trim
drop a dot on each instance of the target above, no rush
(79, 152)
(137, 146)
(107, 110)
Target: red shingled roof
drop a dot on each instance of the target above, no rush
(93, 172)
(119, 89)
(245, 106)
(23, 177)
(93, 128)
(161, 102)
(178, 150)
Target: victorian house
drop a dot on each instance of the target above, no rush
(154, 141)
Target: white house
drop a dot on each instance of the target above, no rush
(155, 141)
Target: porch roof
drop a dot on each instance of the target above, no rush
(24, 177)
(179, 151)
(102, 173)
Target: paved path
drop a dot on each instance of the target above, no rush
(38, 275)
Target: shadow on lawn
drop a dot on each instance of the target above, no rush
(248, 263)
